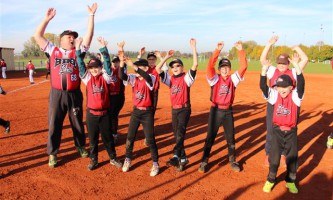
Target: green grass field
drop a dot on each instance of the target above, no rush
(311, 68)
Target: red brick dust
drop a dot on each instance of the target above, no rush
(25, 173)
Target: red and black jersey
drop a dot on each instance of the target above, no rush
(64, 70)
(179, 91)
(152, 70)
(98, 93)
(278, 73)
(30, 66)
(116, 85)
(142, 95)
(285, 112)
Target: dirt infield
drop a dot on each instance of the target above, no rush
(26, 175)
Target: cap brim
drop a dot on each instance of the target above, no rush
(175, 61)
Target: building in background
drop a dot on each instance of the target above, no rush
(8, 55)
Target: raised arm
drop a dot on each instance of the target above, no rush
(141, 52)
(242, 59)
(90, 31)
(212, 60)
(39, 34)
(304, 57)
(193, 43)
(80, 56)
(121, 73)
(263, 78)
(161, 63)
(270, 43)
(106, 56)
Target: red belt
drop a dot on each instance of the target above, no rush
(98, 112)
(143, 108)
(224, 106)
(185, 105)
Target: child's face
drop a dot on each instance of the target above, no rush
(284, 91)
(95, 71)
(282, 67)
(224, 71)
(152, 61)
(177, 69)
(115, 64)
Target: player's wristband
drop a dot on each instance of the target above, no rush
(91, 14)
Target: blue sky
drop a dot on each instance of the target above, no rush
(163, 25)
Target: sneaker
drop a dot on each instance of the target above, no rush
(7, 127)
(268, 187)
(266, 162)
(182, 164)
(83, 152)
(292, 188)
(126, 165)
(52, 161)
(329, 143)
(202, 167)
(115, 138)
(174, 161)
(235, 166)
(93, 164)
(154, 170)
(116, 163)
(283, 161)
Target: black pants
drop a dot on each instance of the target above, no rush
(269, 126)
(3, 122)
(146, 118)
(116, 104)
(100, 124)
(180, 118)
(60, 103)
(155, 99)
(47, 74)
(218, 117)
(283, 141)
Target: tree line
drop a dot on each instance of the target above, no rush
(316, 53)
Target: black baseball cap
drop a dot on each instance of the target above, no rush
(69, 32)
(151, 54)
(115, 59)
(224, 62)
(94, 62)
(283, 81)
(141, 62)
(176, 61)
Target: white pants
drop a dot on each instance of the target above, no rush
(4, 72)
(31, 78)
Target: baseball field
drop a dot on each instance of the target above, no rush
(25, 173)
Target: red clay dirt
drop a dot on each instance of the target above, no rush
(26, 175)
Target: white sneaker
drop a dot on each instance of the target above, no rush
(154, 170)
(126, 165)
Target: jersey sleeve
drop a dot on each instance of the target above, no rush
(212, 81)
(189, 79)
(166, 78)
(130, 80)
(86, 77)
(236, 78)
(153, 79)
(272, 96)
(106, 76)
(270, 72)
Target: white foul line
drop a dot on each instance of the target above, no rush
(22, 88)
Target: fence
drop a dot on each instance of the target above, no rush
(20, 65)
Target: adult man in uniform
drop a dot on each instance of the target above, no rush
(65, 95)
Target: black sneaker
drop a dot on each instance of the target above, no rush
(202, 167)
(115, 138)
(235, 166)
(7, 127)
(93, 164)
(116, 163)
(174, 161)
(182, 165)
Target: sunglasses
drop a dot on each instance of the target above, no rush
(178, 65)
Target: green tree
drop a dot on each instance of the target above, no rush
(31, 48)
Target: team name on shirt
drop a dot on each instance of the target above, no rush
(224, 89)
(175, 89)
(282, 111)
(139, 96)
(97, 89)
(65, 65)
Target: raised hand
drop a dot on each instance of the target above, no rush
(238, 45)
(158, 54)
(273, 39)
(102, 41)
(92, 9)
(121, 45)
(78, 42)
(50, 13)
(294, 59)
(193, 43)
(220, 45)
(142, 51)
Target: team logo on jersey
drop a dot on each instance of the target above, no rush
(114, 79)
(224, 90)
(282, 111)
(175, 89)
(97, 89)
(66, 66)
(139, 96)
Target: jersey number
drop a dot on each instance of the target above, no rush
(73, 77)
